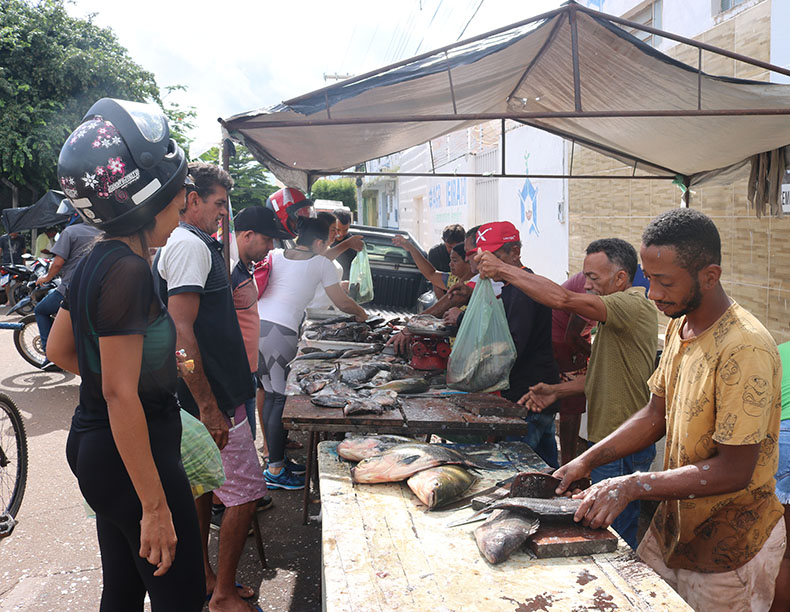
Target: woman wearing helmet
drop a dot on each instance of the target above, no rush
(295, 274)
(125, 175)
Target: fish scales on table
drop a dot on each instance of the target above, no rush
(502, 533)
(404, 460)
(440, 485)
(362, 447)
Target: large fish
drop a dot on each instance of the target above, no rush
(502, 533)
(357, 449)
(406, 385)
(358, 375)
(440, 485)
(556, 509)
(400, 462)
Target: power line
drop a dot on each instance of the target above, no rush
(438, 6)
(470, 21)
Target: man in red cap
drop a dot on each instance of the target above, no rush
(530, 326)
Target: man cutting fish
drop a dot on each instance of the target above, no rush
(623, 354)
(717, 537)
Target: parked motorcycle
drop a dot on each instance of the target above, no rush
(27, 305)
(23, 293)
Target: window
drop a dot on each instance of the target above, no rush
(726, 5)
(650, 15)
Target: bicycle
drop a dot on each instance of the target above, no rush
(13, 463)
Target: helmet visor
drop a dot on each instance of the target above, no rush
(306, 211)
(148, 118)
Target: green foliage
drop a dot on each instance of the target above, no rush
(339, 189)
(181, 119)
(251, 180)
(52, 68)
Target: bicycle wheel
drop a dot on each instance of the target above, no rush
(13, 456)
(28, 342)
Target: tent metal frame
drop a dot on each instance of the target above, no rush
(569, 9)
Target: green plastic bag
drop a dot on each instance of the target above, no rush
(200, 456)
(360, 280)
(483, 353)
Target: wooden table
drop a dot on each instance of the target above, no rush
(382, 550)
(416, 416)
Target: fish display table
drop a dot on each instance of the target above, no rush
(415, 416)
(382, 550)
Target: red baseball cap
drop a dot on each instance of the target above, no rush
(491, 236)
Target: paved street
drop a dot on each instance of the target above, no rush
(51, 562)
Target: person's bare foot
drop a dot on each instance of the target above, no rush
(244, 591)
(230, 604)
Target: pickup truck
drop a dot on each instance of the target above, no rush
(399, 288)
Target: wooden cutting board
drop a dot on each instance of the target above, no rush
(487, 404)
(571, 541)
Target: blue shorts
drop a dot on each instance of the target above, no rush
(783, 473)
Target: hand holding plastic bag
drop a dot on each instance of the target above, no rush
(200, 456)
(483, 353)
(360, 280)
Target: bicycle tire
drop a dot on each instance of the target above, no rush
(13, 456)
(28, 342)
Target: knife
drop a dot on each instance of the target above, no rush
(466, 500)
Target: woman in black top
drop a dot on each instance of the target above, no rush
(125, 175)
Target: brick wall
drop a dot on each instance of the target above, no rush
(755, 252)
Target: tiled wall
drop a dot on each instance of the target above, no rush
(756, 252)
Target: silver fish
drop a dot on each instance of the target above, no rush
(400, 462)
(357, 449)
(558, 509)
(362, 405)
(358, 375)
(329, 401)
(440, 485)
(502, 533)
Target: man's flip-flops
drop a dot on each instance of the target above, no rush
(239, 585)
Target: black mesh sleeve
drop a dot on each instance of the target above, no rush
(125, 296)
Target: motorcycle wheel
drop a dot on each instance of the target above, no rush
(28, 342)
(27, 309)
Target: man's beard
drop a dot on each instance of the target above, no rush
(691, 303)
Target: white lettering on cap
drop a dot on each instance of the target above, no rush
(146, 191)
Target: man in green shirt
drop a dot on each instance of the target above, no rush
(623, 354)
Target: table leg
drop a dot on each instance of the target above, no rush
(308, 473)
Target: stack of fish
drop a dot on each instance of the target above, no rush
(347, 329)
(436, 474)
(359, 388)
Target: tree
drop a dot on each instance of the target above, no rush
(339, 189)
(251, 180)
(180, 119)
(52, 68)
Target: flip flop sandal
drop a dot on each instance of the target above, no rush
(239, 585)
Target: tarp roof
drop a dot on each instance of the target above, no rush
(40, 215)
(630, 101)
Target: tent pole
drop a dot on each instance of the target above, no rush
(226, 215)
(686, 199)
(504, 171)
(699, 80)
(535, 59)
(577, 87)
(488, 175)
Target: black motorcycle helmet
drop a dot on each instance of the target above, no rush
(120, 167)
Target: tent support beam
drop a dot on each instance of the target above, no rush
(682, 39)
(535, 59)
(605, 177)
(720, 112)
(450, 77)
(577, 82)
(699, 80)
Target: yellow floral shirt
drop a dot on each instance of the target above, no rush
(721, 387)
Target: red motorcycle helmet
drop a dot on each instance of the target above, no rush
(288, 204)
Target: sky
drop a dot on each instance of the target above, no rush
(234, 56)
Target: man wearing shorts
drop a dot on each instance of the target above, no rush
(717, 537)
(195, 285)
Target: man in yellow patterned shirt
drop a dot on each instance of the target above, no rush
(716, 537)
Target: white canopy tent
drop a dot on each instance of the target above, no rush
(573, 72)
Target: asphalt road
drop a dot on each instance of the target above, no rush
(51, 562)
